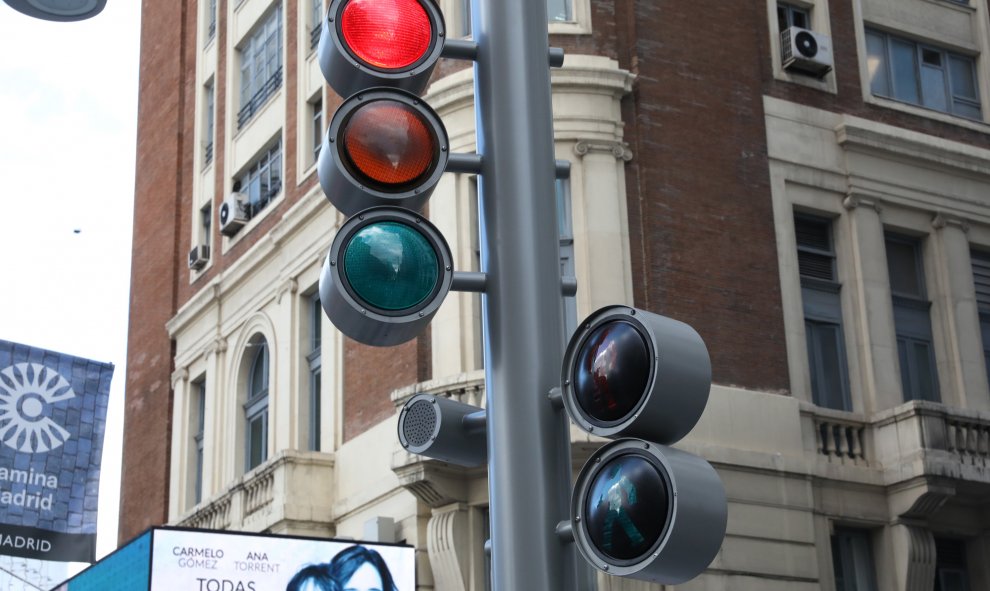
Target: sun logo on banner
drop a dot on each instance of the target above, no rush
(26, 389)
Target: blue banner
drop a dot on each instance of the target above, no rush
(53, 410)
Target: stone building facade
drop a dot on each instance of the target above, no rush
(827, 235)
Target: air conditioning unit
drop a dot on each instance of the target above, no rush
(805, 51)
(199, 256)
(233, 213)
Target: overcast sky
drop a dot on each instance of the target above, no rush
(68, 114)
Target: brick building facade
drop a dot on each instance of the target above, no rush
(826, 235)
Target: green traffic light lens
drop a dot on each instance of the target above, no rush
(626, 508)
(611, 372)
(391, 266)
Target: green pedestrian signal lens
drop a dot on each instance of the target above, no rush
(391, 266)
(626, 512)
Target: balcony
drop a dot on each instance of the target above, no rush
(290, 493)
(915, 439)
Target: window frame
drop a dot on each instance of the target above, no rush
(913, 325)
(255, 406)
(268, 160)
(261, 64)
(314, 363)
(955, 104)
(209, 125)
(199, 434)
(845, 555)
(822, 311)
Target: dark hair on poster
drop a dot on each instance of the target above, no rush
(348, 561)
(313, 577)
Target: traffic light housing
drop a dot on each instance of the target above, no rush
(383, 147)
(388, 269)
(385, 277)
(393, 43)
(640, 508)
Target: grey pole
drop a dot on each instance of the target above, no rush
(528, 443)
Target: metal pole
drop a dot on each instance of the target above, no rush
(528, 443)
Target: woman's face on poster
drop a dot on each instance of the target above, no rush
(365, 578)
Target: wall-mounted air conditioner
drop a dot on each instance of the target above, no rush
(233, 213)
(199, 256)
(805, 51)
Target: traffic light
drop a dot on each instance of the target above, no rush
(640, 508)
(388, 269)
(58, 10)
(384, 147)
(386, 275)
(368, 43)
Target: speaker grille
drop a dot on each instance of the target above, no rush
(419, 424)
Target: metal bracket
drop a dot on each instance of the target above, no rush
(469, 281)
(460, 49)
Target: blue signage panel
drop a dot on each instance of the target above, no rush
(53, 410)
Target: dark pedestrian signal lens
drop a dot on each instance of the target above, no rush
(612, 372)
(390, 144)
(626, 510)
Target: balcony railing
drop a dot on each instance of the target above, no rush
(259, 98)
(293, 486)
(208, 154)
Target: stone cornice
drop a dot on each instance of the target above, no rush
(861, 135)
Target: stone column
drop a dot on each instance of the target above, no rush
(956, 318)
(601, 225)
(179, 485)
(218, 427)
(873, 311)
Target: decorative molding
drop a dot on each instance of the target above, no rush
(618, 149)
(433, 482)
(179, 375)
(944, 220)
(921, 558)
(865, 136)
(854, 200)
(291, 285)
(447, 542)
(216, 346)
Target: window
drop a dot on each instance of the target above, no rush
(205, 220)
(566, 233)
(923, 75)
(315, 317)
(209, 107)
(911, 318)
(261, 66)
(791, 16)
(211, 21)
(317, 107)
(256, 407)
(316, 28)
(950, 565)
(822, 313)
(199, 394)
(263, 179)
(852, 560)
(981, 280)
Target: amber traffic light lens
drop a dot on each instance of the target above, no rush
(387, 34)
(390, 144)
(626, 510)
(611, 372)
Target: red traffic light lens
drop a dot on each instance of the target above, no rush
(387, 34)
(626, 508)
(389, 143)
(611, 371)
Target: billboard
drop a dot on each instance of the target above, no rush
(166, 559)
(53, 410)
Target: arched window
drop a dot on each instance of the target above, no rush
(256, 407)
